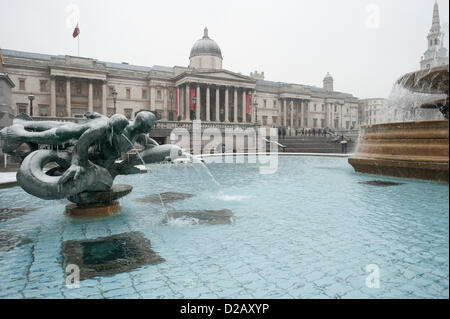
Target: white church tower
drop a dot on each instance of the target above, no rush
(436, 54)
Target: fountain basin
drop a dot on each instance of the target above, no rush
(407, 149)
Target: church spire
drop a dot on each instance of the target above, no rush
(436, 20)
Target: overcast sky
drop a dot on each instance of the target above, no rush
(365, 44)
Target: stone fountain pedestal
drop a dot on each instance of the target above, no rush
(97, 204)
(407, 149)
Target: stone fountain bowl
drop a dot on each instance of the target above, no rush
(430, 81)
(417, 150)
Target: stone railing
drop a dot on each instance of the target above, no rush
(162, 125)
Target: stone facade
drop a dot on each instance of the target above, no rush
(68, 86)
(371, 111)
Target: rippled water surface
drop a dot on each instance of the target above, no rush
(307, 231)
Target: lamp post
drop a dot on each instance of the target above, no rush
(31, 98)
(114, 95)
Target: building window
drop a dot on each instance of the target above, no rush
(111, 90)
(347, 125)
(275, 103)
(43, 110)
(144, 94)
(322, 123)
(158, 95)
(335, 108)
(315, 107)
(78, 88)
(97, 90)
(128, 113)
(22, 84)
(61, 111)
(265, 103)
(314, 122)
(323, 108)
(274, 119)
(60, 87)
(264, 120)
(128, 93)
(43, 85)
(22, 108)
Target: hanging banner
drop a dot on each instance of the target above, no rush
(248, 97)
(192, 94)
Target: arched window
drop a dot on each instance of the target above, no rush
(436, 41)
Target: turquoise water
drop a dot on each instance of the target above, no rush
(307, 231)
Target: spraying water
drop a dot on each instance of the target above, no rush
(195, 160)
(148, 171)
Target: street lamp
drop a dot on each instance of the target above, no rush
(31, 98)
(114, 95)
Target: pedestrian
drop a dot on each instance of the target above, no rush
(284, 132)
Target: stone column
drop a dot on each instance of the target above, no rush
(227, 105)
(292, 115)
(244, 113)
(217, 104)
(252, 111)
(235, 111)
(165, 114)
(208, 110)
(68, 103)
(52, 96)
(284, 112)
(104, 105)
(90, 97)
(198, 104)
(178, 101)
(187, 104)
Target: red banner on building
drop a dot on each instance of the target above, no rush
(192, 94)
(176, 101)
(248, 100)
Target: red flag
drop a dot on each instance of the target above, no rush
(249, 96)
(76, 32)
(192, 100)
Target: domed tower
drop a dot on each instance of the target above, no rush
(205, 54)
(328, 83)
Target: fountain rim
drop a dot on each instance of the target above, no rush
(404, 124)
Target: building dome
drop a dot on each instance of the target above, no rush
(328, 76)
(206, 54)
(205, 46)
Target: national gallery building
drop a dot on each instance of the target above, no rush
(69, 86)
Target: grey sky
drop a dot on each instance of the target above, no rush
(291, 41)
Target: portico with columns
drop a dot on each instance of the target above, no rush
(215, 96)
